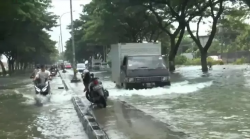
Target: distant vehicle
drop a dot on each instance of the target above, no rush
(80, 67)
(67, 66)
(96, 66)
(136, 65)
(60, 61)
(215, 58)
(104, 66)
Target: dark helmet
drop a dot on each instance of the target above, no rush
(42, 66)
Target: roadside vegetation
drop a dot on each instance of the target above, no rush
(24, 37)
(182, 60)
(133, 21)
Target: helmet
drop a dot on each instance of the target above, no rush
(85, 71)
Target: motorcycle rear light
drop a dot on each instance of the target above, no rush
(95, 82)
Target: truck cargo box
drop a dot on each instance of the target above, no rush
(118, 51)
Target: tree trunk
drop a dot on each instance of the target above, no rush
(171, 56)
(171, 62)
(204, 67)
(25, 65)
(3, 68)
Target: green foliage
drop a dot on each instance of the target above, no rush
(107, 22)
(23, 32)
(240, 61)
(196, 61)
(180, 60)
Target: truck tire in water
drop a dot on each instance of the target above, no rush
(128, 86)
(161, 84)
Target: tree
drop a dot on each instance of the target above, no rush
(232, 25)
(214, 10)
(107, 22)
(23, 33)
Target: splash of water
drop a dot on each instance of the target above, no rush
(179, 88)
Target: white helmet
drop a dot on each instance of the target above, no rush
(85, 71)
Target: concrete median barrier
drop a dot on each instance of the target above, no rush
(88, 121)
(65, 85)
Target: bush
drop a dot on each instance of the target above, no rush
(197, 61)
(180, 60)
(240, 61)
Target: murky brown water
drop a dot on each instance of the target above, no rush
(214, 105)
(22, 119)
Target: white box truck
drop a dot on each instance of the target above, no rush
(135, 65)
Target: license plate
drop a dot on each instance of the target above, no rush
(97, 87)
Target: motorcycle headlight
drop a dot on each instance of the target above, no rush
(38, 90)
(44, 89)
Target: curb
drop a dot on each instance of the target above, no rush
(65, 85)
(88, 121)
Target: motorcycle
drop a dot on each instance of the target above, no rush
(97, 94)
(42, 91)
(53, 72)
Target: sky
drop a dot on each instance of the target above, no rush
(63, 6)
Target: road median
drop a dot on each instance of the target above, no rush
(87, 119)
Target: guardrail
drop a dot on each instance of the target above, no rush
(88, 121)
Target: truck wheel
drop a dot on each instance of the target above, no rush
(127, 86)
(161, 84)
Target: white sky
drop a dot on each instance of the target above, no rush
(63, 6)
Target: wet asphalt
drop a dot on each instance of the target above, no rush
(201, 106)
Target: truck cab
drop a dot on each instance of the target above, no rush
(138, 65)
(141, 70)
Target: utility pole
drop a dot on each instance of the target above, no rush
(60, 20)
(59, 45)
(74, 79)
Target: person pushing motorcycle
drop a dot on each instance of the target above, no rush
(86, 78)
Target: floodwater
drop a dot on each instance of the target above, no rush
(22, 119)
(214, 105)
(203, 106)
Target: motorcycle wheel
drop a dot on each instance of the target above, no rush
(103, 101)
(88, 97)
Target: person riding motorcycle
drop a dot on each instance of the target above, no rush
(35, 71)
(42, 75)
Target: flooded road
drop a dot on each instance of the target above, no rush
(204, 106)
(214, 105)
(21, 119)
